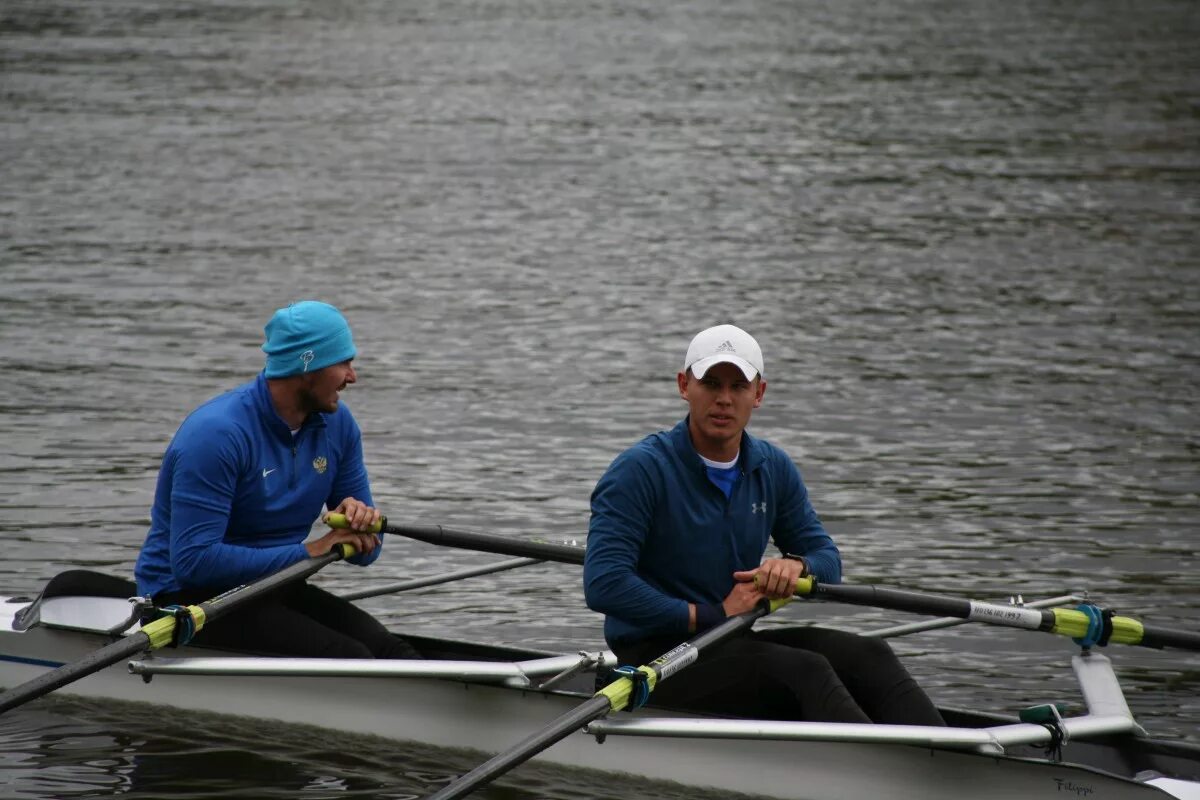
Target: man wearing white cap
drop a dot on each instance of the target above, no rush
(243, 480)
(680, 525)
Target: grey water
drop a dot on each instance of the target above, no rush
(964, 233)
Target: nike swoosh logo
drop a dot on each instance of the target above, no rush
(267, 472)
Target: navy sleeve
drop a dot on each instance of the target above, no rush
(798, 530)
(622, 504)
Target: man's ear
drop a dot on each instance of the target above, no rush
(682, 379)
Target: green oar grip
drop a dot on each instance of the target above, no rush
(803, 587)
(340, 521)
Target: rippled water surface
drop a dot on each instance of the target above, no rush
(965, 234)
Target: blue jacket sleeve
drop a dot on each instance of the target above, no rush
(203, 487)
(798, 530)
(622, 504)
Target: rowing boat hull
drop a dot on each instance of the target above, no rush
(486, 718)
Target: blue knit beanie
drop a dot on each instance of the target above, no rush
(304, 337)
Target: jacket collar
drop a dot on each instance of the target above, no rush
(275, 423)
(751, 452)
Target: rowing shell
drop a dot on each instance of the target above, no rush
(483, 698)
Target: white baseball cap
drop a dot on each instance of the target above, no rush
(724, 343)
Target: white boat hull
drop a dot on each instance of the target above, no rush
(455, 713)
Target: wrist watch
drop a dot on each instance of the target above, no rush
(803, 563)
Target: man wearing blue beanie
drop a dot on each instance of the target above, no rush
(243, 480)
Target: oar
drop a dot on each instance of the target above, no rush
(434, 580)
(485, 542)
(613, 697)
(1064, 621)
(160, 632)
(950, 622)
(1090, 624)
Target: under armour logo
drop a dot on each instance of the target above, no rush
(307, 356)
(726, 347)
(756, 507)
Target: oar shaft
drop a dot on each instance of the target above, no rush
(613, 697)
(469, 540)
(489, 543)
(1062, 621)
(223, 603)
(895, 599)
(435, 580)
(56, 678)
(160, 632)
(553, 733)
(1165, 637)
(949, 622)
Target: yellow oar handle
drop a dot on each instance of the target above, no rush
(348, 550)
(340, 521)
(804, 586)
(778, 603)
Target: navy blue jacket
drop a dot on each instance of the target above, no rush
(662, 534)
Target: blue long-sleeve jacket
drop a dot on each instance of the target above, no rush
(237, 494)
(662, 534)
